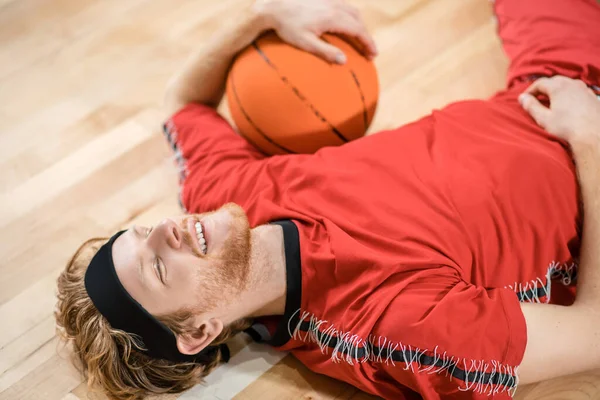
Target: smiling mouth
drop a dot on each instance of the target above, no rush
(200, 236)
(196, 230)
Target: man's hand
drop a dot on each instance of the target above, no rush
(564, 340)
(298, 22)
(574, 112)
(302, 22)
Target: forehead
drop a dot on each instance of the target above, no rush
(127, 262)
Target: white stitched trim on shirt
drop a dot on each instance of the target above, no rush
(480, 376)
(534, 290)
(170, 131)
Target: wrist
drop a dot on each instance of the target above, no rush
(586, 145)
(586, 154)
(241, 30)
(260, 12)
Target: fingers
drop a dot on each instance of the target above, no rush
(362, 35)
(352, 11)
(354, 42)
(542, 86)
(352, 27)
(538, 112)
(550, 86)
(366, 44)
(313, 44)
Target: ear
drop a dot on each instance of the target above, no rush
(204, 334)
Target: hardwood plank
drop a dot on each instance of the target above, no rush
(74, 228)
(39, 301)
(584, 386)
(444, 80)
(82, 155)
(70, 396)
(289, 379)
(51, 380)
(34, 29)
(102, 61)
(30, 157)
(427, 31)
(20, 347)
(72, 169)
(249, 362)
(28, 364)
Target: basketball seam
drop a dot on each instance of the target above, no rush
(362, 98)
(264, 135)
(360, 91)
(298, 94)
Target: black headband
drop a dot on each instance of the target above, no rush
(124, 313)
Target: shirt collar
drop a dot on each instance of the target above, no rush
(293, 298)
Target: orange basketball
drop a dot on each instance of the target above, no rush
(285, 100)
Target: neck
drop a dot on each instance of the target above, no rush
(266, 290)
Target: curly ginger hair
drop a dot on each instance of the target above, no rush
(109, 358)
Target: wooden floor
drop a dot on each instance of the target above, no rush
(81, 155)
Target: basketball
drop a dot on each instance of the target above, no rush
(284, 100)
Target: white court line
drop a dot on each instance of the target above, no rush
(243, 368)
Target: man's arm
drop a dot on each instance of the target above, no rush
(298, 22)
(566, 340)
(202, 78)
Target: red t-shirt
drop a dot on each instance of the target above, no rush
(417, 243)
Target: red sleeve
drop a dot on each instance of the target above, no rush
(213, 159)
(451, 338)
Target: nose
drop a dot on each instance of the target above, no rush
(167, 231)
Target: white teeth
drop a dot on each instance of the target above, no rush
(200, 236)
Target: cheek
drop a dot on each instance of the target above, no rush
(194, 275)
(221, 230)
(183, 276)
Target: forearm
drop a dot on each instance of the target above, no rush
(202, 78)
(587, 158)
(299, 23)
(565, 340)
(561, 340)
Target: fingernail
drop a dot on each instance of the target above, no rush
(522, 98)
(340, 58)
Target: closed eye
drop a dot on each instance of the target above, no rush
(161, 275)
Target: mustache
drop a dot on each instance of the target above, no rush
(188, 239)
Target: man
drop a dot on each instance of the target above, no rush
(407, 262)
